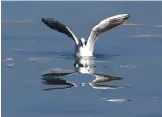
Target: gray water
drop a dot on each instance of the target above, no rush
(31, 52)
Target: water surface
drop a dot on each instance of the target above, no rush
(39, 76)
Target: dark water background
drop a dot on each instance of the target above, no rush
(132, 52)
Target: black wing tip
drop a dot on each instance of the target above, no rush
(43, 19)
(50, 19)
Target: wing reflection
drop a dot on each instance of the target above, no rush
(51, 79)
(100, 78)
(82, 65)
(56, 74)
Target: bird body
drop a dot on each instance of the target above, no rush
(82, 49)
(86, 47)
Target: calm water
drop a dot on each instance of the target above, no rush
(40, 79)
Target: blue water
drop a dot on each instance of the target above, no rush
(30, 50)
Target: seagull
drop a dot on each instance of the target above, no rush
(83, 47)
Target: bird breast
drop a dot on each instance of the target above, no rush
(83, 51)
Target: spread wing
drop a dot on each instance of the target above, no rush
(60, 27)
(105, 25)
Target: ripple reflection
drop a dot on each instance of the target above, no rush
(84, 65)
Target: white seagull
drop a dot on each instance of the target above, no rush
(85, 48)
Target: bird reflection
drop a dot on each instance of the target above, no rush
(83, 65)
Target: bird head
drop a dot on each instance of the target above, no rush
(83, 42)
